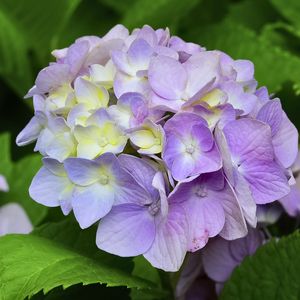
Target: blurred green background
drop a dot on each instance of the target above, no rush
(264, 31)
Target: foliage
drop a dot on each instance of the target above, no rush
(272, 273)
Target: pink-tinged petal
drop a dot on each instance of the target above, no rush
(13, 219)
(285, 142)
(128, 230)
(267, 181)
(82, 171)
(183, 166)
(169, 247)
(139, 54)
(46, 188)
(235, 225)
(291, 202)
(206, 219)
(245, 198)
(272, 114)
(249, 140)
(202, 68)
(90, 203)
(167, 77)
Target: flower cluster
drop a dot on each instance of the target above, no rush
(164, 142)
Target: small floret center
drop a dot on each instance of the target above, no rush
(104, 179)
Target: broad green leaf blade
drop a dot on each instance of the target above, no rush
(159, 13)
(14, 67)
(273, 65)
(29, 264)
(271, 273)
(19, 175)
(68, 233)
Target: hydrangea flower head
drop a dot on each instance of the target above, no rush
(163, 143)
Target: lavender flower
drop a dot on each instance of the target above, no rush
(164, 143)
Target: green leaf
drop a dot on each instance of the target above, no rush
(33, 263)
(68, 233)
(289, 9)
(19, 175)
(271, 273)
(159, 13)
(273, 65)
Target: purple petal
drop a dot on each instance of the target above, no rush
(140, 170)
(53, 77)
(285, 142)
(267, 181)
(271, 113)
(13, 219)
(245, 198)
(238, 98)
(217, 261)
(183, 166)
(32, 130)
(139, 54)
(169, 247)
(235, 226)
(244, 69)
(167, 77)
(291, 202)
(249, 140)
(47, 188)
(91, 203)
(128, 230)
(82, 171)
(203, 68)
